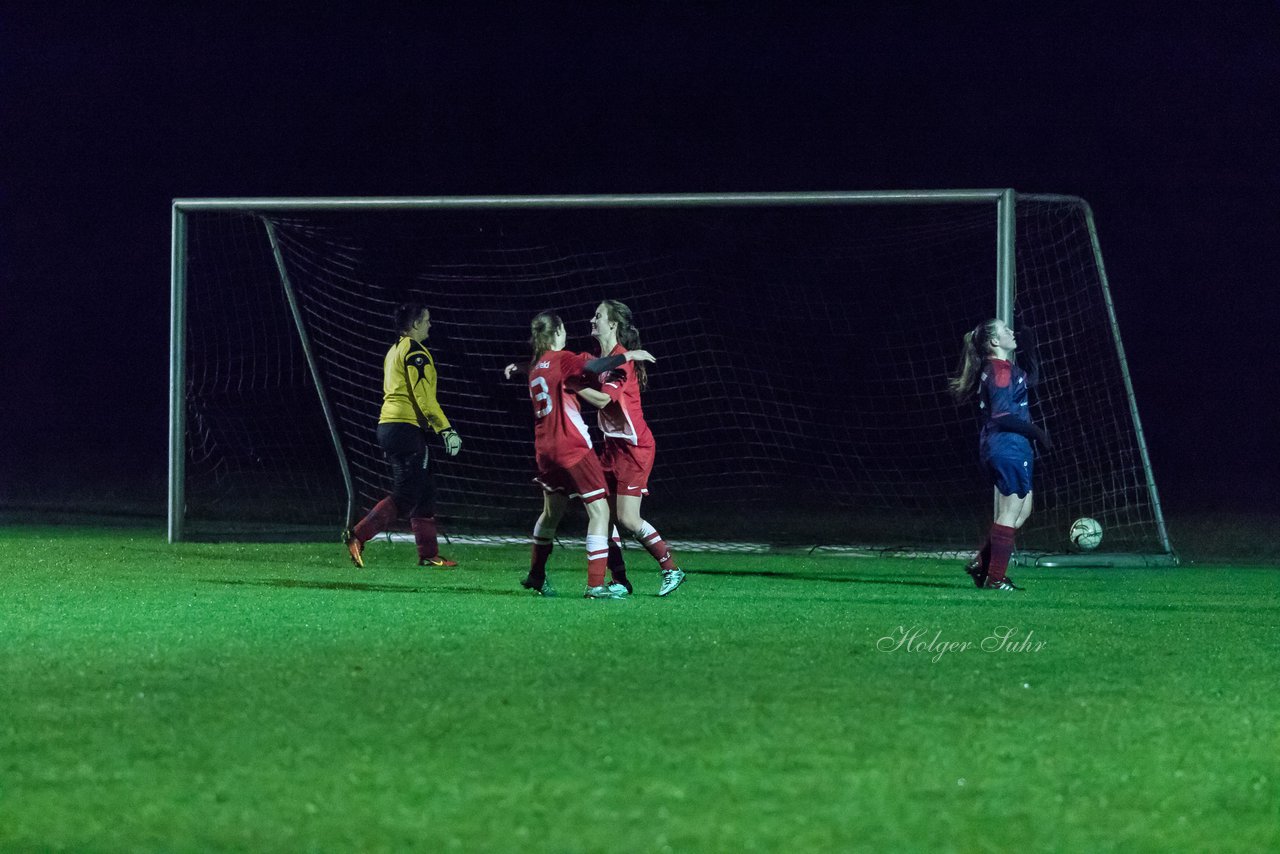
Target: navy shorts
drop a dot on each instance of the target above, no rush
(1010, 473)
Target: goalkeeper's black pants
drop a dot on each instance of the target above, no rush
(412, 484)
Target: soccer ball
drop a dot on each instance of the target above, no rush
(1085, 533)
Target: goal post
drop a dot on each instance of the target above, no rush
(1167, 556)
(806, 340)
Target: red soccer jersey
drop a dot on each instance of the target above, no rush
(622, 420)
(560, 436)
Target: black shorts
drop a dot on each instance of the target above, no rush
(412, 481)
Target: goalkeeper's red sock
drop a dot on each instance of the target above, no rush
(383, 514)
(655, 545)
(1001, 544)
(424, 535)
(597, 552)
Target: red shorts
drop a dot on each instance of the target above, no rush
(627, 467)
(584, 479)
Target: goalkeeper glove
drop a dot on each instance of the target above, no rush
(452, 442)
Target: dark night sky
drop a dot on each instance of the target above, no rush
(1163, 116)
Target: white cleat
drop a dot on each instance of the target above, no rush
(671, 579)
(606, 591)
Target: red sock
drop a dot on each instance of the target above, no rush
(616, 560)
(539, 553)
(424, 534)
(378, 519)
(655, 545)
(1001, 544)
(597, 552)
(542, 543)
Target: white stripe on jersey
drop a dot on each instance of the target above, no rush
(574, 415)
(613, 426)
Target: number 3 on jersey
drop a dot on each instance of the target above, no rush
(541, 399)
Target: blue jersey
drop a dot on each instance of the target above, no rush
(1002, 392)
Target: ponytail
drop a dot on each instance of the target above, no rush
(972, 354)
(542, 334)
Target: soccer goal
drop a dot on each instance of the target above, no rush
(804, 342)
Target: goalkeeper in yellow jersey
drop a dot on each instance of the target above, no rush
(409, 409)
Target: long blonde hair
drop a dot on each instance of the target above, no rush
(542, 334)
(977, 346)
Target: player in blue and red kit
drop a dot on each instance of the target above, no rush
(1005, 445)
(566, 465)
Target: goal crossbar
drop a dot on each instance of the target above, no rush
(1005, 201)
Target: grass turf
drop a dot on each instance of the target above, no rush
(270, 697)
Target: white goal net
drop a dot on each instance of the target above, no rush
(799, 395)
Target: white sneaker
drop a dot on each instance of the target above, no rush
(606, 591)
(671, 579)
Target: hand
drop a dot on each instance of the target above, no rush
(1042, 437)
(452, 442)
(510, 370)
(640, 356)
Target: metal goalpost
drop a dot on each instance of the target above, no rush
(1005, 201)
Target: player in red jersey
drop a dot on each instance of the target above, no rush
(628, 451)
(566, 465)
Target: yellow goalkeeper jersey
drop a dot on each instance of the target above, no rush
(409, 387)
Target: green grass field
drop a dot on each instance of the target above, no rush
(271, 698)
